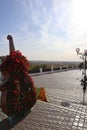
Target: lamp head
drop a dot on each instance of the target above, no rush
(77, 50)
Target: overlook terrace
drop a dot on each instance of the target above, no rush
(51, 66)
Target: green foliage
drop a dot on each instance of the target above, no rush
(37, 91)
(81, 65)
(35, 68)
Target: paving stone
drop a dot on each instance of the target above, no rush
(63, 119)
(51, 115)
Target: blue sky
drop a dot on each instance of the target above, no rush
(44, 29)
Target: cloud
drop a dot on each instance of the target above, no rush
(51, 29)
(47, 42)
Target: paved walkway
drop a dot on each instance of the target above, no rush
(47, 116)
(64, 110)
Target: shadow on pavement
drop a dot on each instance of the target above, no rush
(5, 125)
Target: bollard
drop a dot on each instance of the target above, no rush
(52, 68)
(67, 68)
(41, 70)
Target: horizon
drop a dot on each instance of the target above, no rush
(48, 30)
(54, 62)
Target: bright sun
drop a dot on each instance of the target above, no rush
(79, 15)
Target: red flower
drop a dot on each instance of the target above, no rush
(20, 85)
(15, 62)
(15, 92)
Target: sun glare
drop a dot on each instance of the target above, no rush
(79, 15)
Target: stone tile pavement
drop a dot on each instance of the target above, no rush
(64, 110)
(47, 116)
(69, 100)
(60, 88)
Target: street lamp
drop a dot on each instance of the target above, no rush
(84, 80)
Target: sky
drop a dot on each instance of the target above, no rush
(49, 30)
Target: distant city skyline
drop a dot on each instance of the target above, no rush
(46, 30)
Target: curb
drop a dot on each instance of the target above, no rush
(10, 122)
(49, 72)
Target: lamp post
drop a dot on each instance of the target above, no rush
(83, 81)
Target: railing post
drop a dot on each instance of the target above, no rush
(67, 68)
(41, 70)
(52, 68)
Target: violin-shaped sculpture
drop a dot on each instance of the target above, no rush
(18, 91)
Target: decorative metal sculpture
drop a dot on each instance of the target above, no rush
(11, 43)
(18, 91)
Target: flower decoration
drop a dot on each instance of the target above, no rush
(15, 63)
(21, 93)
